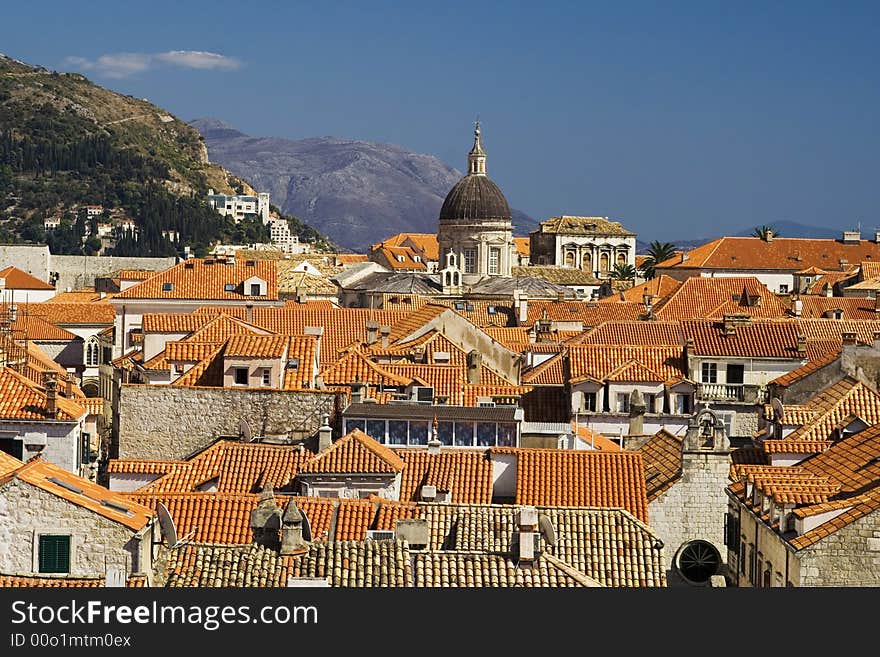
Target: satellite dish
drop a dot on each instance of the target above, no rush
(166, 523)
(778, 410)
(244, 430)
(547, 529)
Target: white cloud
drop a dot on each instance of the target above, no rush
(124, 64)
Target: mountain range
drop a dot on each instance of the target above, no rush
(355, 192)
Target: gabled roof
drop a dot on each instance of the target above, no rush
(82, 492)
(522, 245)
(658, 287)
(634, 371)
(850, 307)
(21, 399)
(356, 452)
(256, 346)
(30, 325)
(782, 253)
(806, 369)
(16, 279)
(8, 463)
(549, 373)
(847, 397)
(599, 361)
(662, 456)
(702, 297)
(205, 280)
(355, 366)
(757, 340)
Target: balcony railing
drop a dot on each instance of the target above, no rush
(733, 392)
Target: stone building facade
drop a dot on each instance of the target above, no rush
(96, 543)
(592, 244)
(169, 422)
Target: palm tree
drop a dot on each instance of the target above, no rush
(657, 253)
(622, 272)
(763, 231)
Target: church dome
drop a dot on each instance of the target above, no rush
(475, 198)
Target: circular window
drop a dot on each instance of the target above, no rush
(697, 561)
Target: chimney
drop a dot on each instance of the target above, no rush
(292, 541)
(828, 290)
(249, 313)
(798, 307)
(372, 331)
(849, 337)
(729, 326)
(768, 235)
(474, 365)
(317, 332)
(384, 332)
(68, 384)
(51, 395)
(801, 343)
(852, 236)
(560, 296)
(877, 238)
(357, 393)
(684, 256)
(527, 527)
(522, 316)
(637, 408)
(843, 262)
(325, 434)
(266, 520)
(877, 303)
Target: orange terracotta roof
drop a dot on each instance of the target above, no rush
(782, 253)
(214, 517)
(758, 340)
(206, 279)
(785, 446)
(549, 373)
(135, 274)
(351, 258)
(597, 440)
(18, 581)
(30, 325)
(8, 463)
(659, 288)
(208, 372)
(16, 279)
(514, 338)
(400, 258)
(482, 313)
(354, 452)
(20, 399)
(869, 269)
(143, 466)
(353, 519)
(188, 352)
(523, 245)
(634, 371)
(701, 297)
(355, 366)
(830, 279)
(92, 405)
(91, 496)
(303, 348)
(72, 314)
(662, 456)
(218, 328)
(425, 243)
(236, 467)
(466, 474)
(256, 346)
(550, 477)
(84, 295)
(851, 307)
(634, 333)
(587, 312)
(599, 361)
(846, 398)
(798, 414)
(174, 322)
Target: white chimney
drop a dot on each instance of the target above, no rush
(522, 316)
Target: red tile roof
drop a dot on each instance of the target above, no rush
(806, 369)
(74, 314)
(659, 288)
(206, 280)
(634, 333)
(16, 279)
(662, 456)
(256, 346)
(758, 340)
(64, 484)
(587, 312)
(356, 452)
(467, 474)
(702, 297)
(782, 253)
(20, 399)
(550, 477)
(549, 373)
(846, 398)
(851, 307)
(600, 361)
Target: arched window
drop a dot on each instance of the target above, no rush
(604, 262)
(447, 277)
(569, 258)
(697, 561)
(587, 262)
(92, 353)
(621, 258)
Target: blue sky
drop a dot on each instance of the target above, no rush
(680, 119)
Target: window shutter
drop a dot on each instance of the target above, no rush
(54, 554)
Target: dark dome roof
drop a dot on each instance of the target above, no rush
(474, 198)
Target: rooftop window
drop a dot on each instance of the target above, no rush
(167, 287)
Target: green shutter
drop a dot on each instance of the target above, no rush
(54, 554)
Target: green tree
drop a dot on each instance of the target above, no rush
(622, 272)
(657, 252)
(763, 232)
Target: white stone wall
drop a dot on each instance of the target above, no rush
(62, 441)
(165, 422)
(96, 543)
(694, 507)
(848, 557)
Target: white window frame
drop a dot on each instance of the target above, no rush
(494, 260)
(267, 376)
(711, 369)
(470, 261)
